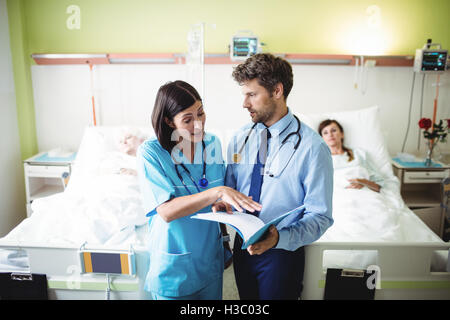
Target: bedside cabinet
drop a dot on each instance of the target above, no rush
(421, 190)
(45, 176)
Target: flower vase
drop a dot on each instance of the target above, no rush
(428, 161)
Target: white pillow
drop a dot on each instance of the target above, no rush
(361, 130)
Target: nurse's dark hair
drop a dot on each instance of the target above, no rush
(171, 99)
(326, 123)
(268, 70)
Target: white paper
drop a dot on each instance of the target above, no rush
(247, 224)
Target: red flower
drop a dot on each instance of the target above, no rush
(448, 123)
(425, 123)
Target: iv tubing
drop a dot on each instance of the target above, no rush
(92, 93)
(435, 105)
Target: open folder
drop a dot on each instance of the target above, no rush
(249, 227)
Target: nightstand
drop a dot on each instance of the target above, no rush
(421, 190)
(45, 175)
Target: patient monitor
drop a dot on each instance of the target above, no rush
(243, 45)
(429, 60)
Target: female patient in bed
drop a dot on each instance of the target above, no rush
(354, 166)
(359, 213)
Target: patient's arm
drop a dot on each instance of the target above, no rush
(128, 171)
(360, 183)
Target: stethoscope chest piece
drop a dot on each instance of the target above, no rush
(203, 183)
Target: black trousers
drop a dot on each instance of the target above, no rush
(276, 274)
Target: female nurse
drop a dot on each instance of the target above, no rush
(181, 172)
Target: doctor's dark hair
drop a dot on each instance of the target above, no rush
(268, 70)
(171, 99)
(326, 123)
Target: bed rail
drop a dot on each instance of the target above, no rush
(405, 271)
(65, 280)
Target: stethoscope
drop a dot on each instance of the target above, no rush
(202, 182)
(237, 156)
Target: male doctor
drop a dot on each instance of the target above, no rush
(282, 163)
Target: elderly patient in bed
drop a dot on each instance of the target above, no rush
(101, 205)
(122, 161)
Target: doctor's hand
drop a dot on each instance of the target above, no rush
(270, 241)
(234, 198)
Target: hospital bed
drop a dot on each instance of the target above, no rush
(99, 211)
(376, 231)
(109, 217)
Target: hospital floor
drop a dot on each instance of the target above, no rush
(229, 283)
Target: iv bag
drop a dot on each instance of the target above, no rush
(195, 58)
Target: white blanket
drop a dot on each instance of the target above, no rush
(363, 215)
(105, 209)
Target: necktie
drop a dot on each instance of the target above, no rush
(258, 169)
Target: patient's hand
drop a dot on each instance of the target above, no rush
(361, 183)
(128, 171)
(354, 184)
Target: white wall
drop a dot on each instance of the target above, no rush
(125, 94)
(12, 194)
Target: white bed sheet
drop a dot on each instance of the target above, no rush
(99, 206)
(367, 216)
(106, 212)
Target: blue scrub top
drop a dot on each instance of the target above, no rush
(186, 254)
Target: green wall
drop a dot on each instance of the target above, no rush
(302, 26)
(22, 78)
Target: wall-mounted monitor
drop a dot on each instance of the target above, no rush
(243, 47)
(430, 61)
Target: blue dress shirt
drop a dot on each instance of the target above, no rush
(292, 178)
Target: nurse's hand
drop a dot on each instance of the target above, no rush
(270, 241)
(222, 206)
(237, 199)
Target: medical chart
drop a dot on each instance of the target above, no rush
(250, 228)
